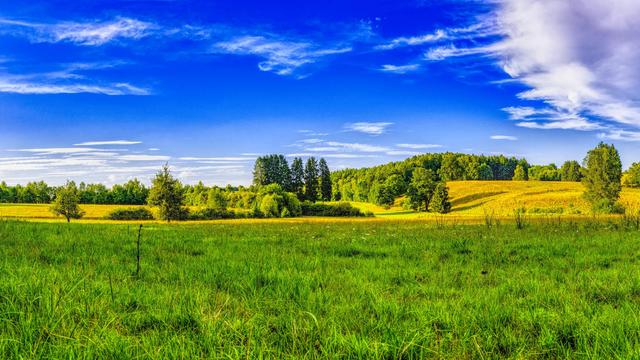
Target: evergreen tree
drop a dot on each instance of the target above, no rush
(325, 180)
(311, 182)
(297, 178)
(66, 202)
(602, 175)
(440, 202)
(166, 193)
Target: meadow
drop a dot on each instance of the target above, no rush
(350, 289)
(472, 201)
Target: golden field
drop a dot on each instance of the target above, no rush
(471, 201)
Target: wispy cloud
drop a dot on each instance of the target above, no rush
(357, 146)
(109, 142)
(81, 33)
(399, 69)
(503, 137)
(279, 56)
(42, 87)
(419, 146)
(371, 128)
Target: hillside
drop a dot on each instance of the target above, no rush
(502, 198)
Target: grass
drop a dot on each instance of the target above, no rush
(345, 289)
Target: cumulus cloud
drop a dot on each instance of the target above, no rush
(371, 128)
(577, 58)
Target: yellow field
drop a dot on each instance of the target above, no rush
(471, 200)
(502, 198)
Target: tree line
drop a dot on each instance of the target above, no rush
(384, 183)
(133, 192)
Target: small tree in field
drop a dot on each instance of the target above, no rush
(420, 191)
(66, 202)
(519, 173)
(166, 193)
(603, 171)
(440, 202)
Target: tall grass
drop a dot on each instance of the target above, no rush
(320, 290)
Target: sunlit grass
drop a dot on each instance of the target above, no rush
(351, 289)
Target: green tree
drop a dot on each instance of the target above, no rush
(166, 193)
(297, 178)
(325, 180)
(440, 202)
(67, 202)
(520, 174)
(484, 172)
(272, 169)
(216, 199)
(631, 177)
(571, 171)
(420, 191)
(311, 182)
(450, 169)
(602, 175)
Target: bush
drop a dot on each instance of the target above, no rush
(212, 214)
(334, 210)
(130, 214)
(606, 206)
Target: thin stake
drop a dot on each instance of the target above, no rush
(138, 252)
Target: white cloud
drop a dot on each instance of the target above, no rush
(371, 128)
(504, 137)
(620, 135)
(280, 56)
(577, 58)
(218, 158)
(9, 85)
(413, 40)
(109, 142)
(357, 147)
(419, 146)
(142, 157)
(399, 69)
(402, 153)
(87, 33)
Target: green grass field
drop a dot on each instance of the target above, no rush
(376, 289)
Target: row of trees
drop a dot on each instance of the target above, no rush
(311, 181)
(132, 192)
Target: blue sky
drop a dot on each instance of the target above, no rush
(104, 91)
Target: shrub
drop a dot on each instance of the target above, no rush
(269, 205)
(212, 214)
(130, 214)
(606, 206)
(334, 210)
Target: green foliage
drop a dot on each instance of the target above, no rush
(130, 214)
(212, 214)
(166, 193)
(216, 199)
(420, 191)
(297, 178)
(272, 169)
(544, 173)
(484, 172)
(520, 174)
(311, 181)
(631, 177)
(440, 202)
(67, 201)
(270, 205)
(325, 180)
(342, 209)
(602, 178)
(571, 171)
